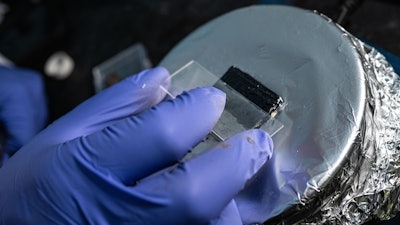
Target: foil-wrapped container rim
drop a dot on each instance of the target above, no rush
(367, 186)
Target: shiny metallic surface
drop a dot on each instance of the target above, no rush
(327, 165)
(368, 184)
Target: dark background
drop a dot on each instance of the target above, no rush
(91, 31)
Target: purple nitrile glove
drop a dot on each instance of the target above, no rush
(23, 108)
(115, 159)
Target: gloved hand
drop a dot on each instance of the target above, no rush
(23, 109)
(113, 160)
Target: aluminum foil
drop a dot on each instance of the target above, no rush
(368, 186)
(336, 159)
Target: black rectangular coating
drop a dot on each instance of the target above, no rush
(253, 90)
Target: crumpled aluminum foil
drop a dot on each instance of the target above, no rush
(368, 186)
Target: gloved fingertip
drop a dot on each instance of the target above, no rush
(216, 96)
(265, 146)
(161, 74)
(214, 91)
(158, 75)
(257, 146)
(151, 82)
(265, 142)
(163, 80)
(161, 70)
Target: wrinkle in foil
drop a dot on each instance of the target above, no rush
(368, 185)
